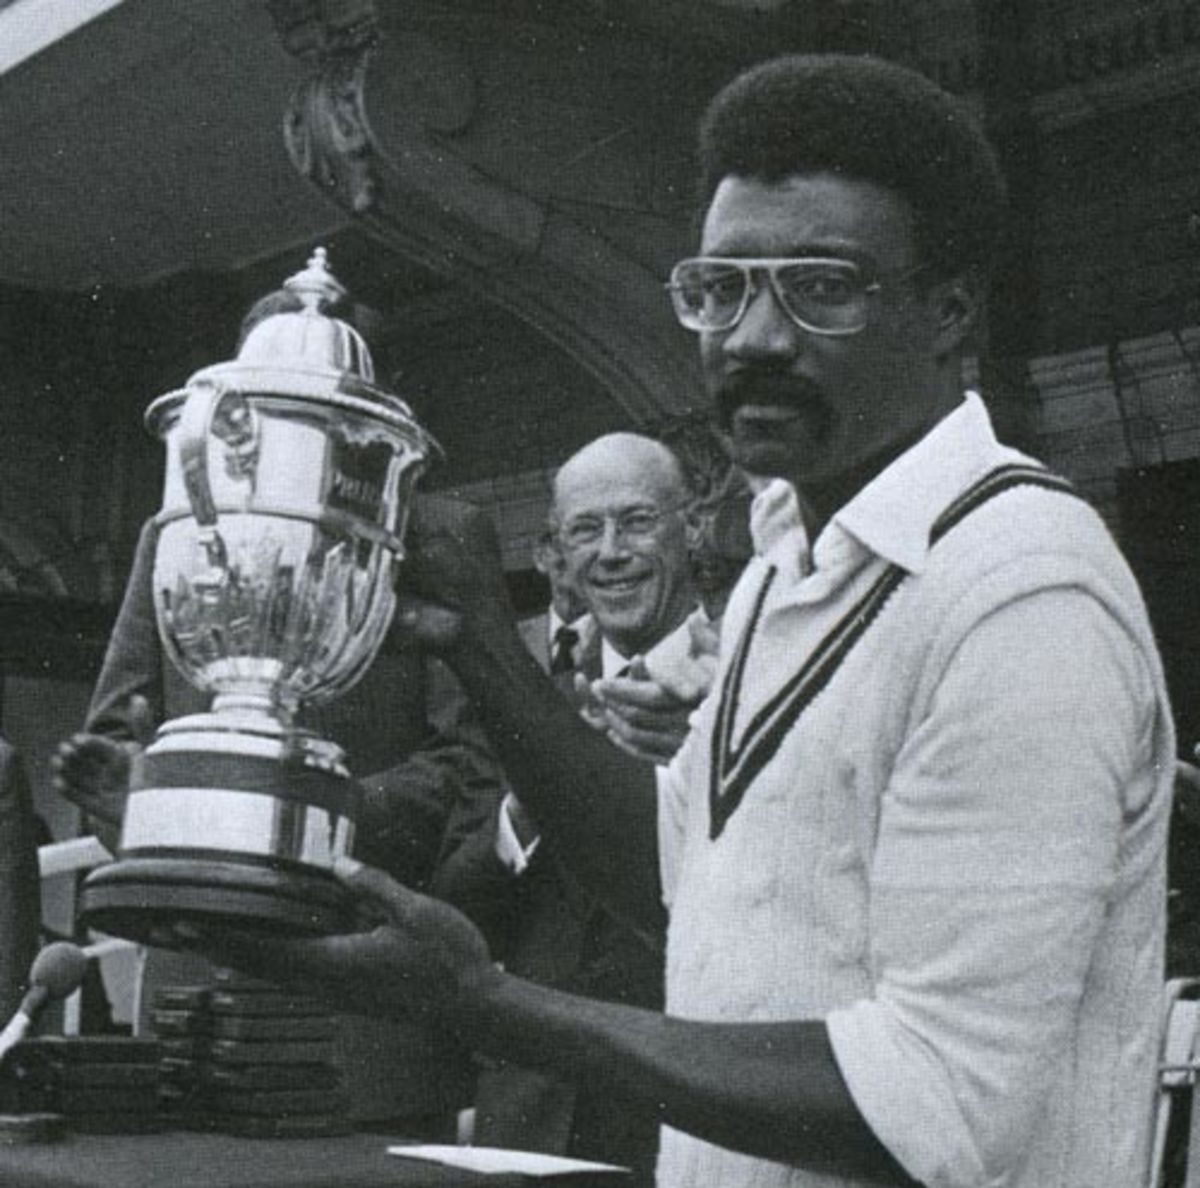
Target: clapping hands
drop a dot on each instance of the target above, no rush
(639, 714)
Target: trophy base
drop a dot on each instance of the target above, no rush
(142, 899)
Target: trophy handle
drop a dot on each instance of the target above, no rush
(195, 425)
(212, 409)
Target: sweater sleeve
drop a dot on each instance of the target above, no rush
(1000, 845)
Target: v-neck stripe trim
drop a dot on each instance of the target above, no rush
(734, 766)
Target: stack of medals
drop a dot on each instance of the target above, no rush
(97, 1084)
(244, 1057)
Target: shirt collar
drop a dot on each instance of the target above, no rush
(777, 528)
(611, 661)
(894, 513)
(582, 624)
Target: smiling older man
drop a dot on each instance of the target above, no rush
(620, 504)
(620, 519)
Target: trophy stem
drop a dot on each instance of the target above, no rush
(274, 712)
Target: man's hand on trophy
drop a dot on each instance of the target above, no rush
(417, 957)
(92, 770)
(452, 572)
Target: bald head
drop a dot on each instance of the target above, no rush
(620, 506)
(618, 457)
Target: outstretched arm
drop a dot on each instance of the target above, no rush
(91, 768)
(599, 804)
(979, 965)
(767, 1089)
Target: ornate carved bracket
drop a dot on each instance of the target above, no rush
(424, 200)
(325, 130)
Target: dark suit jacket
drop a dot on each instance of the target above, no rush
(543, 926)
(411, 742)
(533, 632)
(20, 885)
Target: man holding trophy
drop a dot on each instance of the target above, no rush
(912, 851)
(913, 848)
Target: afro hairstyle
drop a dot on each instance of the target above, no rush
(869, 120)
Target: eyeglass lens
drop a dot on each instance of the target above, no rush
(822, 295)
(634, 525)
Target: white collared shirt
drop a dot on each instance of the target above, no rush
(612, 662)
(682, 662)
(954, 855)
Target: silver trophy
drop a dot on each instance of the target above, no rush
(290, 474)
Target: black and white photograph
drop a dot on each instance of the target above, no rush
(600, 593)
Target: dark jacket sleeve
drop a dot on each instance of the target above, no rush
(471, 877)
(134, 661)
(448, 777)
(20, 886)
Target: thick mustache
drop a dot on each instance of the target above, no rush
(764, 387)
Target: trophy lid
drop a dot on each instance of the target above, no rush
(306, 352)
(310, 336)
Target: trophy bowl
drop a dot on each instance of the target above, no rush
(290, 474)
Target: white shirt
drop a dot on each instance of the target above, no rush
(612, 662)
(955, 855)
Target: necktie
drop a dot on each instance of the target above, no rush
(563, 657)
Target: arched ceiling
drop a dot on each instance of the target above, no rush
(147, 141)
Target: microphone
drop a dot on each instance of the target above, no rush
(56, 972)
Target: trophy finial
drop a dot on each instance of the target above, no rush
(317, 287)
(311, 337)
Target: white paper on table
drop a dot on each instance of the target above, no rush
(500, 1159)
